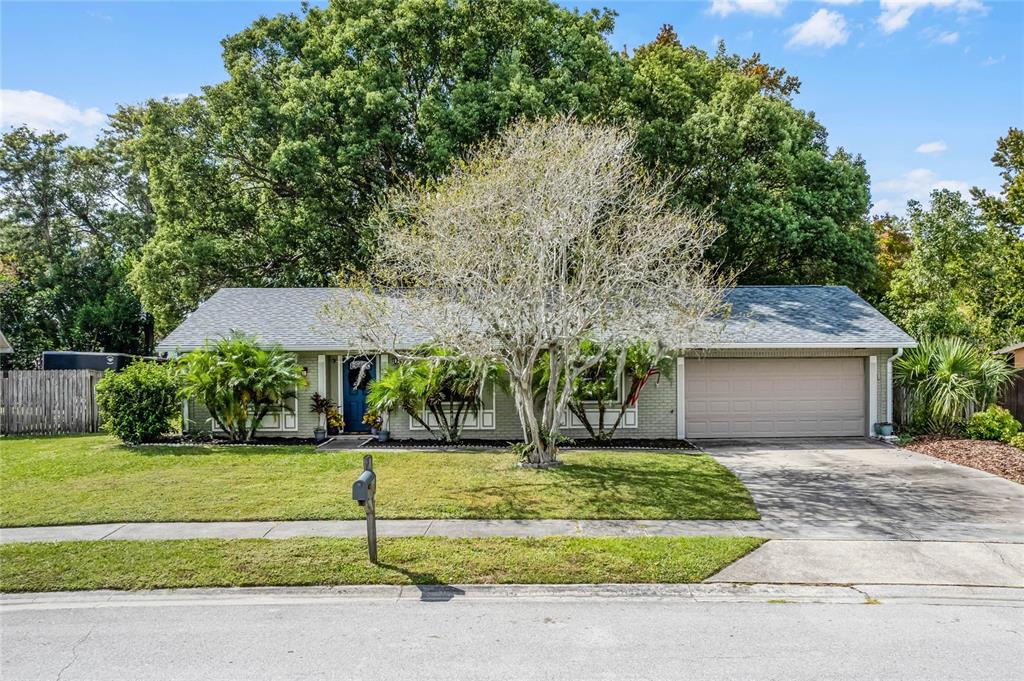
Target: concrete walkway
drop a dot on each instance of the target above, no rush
(880, 562)
(769, 529)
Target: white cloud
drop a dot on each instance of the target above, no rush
(992, 61)
(947, 37)
(935, 147)
(919, 183)
(896, 13)
(824, 29)
(41, 111)
(839, 2)
(724, 8)
(885, 206)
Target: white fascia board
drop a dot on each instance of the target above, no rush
(286, 348)
(771, 346)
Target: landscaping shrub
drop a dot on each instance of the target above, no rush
(1017, 441)
(138, 403)
(946, 379)
(239, 382)
(995, 423)
(447, 388)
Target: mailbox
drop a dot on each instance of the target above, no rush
(363, 490)
(364, 487)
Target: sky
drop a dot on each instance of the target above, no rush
(922, 89)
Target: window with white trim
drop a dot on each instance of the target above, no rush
(279, 418)
(479, 419)
(611, 412)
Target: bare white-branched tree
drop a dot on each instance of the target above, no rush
(549, 236)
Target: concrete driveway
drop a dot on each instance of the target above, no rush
(842, 488)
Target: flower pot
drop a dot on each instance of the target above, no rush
(319, 435)
(383, 435)
(883, 429)
(374, 431)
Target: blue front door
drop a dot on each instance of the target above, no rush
(356, 374)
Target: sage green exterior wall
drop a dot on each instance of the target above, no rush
(656, 415)
(656, 409)
(306, 421)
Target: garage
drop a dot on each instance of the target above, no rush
(793, 397)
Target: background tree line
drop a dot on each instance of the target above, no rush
(267, 178)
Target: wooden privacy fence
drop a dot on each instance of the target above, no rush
(49, 402)
(1013, 398)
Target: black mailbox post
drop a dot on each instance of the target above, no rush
(363, 491)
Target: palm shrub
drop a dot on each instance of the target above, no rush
(447, 388)
(946, 380)
(139, 403)
(239, 382)
(597, 388)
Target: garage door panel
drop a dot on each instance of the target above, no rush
(774, 397)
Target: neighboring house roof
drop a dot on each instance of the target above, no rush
(761, 316)
(1008, 349)
(5, 347)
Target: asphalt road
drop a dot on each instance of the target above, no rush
(205, 637)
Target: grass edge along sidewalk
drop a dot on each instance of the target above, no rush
(129, 565)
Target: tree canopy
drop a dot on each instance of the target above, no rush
(267, 178)
(71, 219)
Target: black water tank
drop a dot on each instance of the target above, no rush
(97, 361)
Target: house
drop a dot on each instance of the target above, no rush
(791, 361)
(1016, 352)
(5, 347)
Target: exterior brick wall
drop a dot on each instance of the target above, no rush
(656, 408)
(198, 421)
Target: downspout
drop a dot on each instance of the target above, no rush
(888, 384)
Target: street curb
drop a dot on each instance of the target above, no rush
(683, 593)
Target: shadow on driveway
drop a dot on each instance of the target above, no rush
(873, 485)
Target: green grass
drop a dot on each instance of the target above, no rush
(69, 566)
(92, 479)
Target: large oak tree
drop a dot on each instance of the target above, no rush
(266, 179)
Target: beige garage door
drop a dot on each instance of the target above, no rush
(774, 397)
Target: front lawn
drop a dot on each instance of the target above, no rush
(70, 566)
(92, 479)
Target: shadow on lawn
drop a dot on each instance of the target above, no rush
(609, 491)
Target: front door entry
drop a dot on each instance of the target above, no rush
(356, 376)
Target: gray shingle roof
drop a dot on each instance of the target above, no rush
(793, 316)
(806, 316)
(294, 318)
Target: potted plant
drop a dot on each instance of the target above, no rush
(374, 420)
(335, 421)
(321, 406)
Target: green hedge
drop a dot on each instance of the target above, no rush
(139, 403)
(995, 423)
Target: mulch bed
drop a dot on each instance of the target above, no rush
(579, 443)
(206, 439)
(985, 455)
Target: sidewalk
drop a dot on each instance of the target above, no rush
(769, 529)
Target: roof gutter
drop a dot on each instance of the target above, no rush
(770, 346)
(888, 383)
